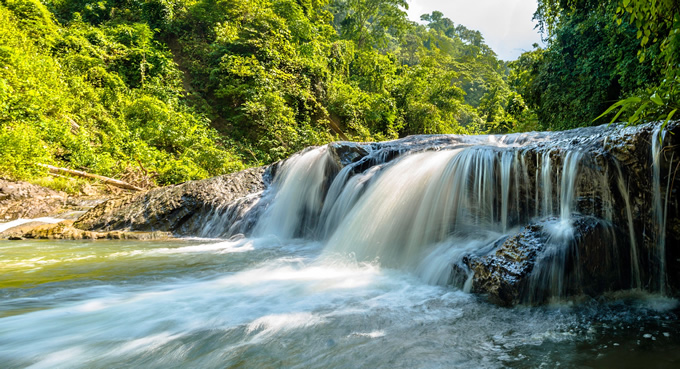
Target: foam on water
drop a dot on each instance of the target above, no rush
(303, 307)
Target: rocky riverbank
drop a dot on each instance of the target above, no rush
(25, 200)
(29, 211)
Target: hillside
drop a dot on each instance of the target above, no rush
(180, 90)
(158, 92)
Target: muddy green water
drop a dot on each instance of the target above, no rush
(260, 303)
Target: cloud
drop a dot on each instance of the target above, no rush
(505, 24)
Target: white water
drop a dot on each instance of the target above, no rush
(567, 190)
(261, 303)
(424, 211)
(298, 196)
(546, 183)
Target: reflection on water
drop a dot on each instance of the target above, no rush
(260, 303)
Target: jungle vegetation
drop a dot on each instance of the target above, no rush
(187, 89)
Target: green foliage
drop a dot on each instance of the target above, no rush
(34, 18)
(72, 186)
(185, 89)
(658, 27)
(624, 53)
(96, 98)
(371, 23)
(276, 78)
(19, 152)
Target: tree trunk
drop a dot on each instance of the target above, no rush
(78, 173)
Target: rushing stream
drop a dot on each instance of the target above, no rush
(260, 303)
(365, 256)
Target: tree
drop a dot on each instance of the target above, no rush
(658, 28)
(371, 23)
(638, 40)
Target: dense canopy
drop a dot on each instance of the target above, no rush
(187, 89)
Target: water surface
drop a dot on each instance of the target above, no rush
(263, 303)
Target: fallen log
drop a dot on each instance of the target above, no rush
(78, 173)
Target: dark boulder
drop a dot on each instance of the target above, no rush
(345, 153)
(504, 272)
(547, 260)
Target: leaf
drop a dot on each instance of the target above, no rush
(668, 118)
(622, 103)
(656, 99)
(617, 115)
(638, 112)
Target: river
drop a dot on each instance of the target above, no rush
(263, 303)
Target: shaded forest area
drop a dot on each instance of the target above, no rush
(174, 90)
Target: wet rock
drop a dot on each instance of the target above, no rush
(548, 260)
(183, 209)
(345, 153)
(503, 274)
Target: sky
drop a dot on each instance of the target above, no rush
(505, 24)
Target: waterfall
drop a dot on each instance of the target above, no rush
(507, 159)
(431, 204)
(546, 182)
(569, 172)
(337, 206)
(298, 193)
(660, 205)
(634, 260)
(397, 213)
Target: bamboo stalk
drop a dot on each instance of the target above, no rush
(78, 173)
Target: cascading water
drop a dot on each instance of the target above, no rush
(635, 261)
(426, 208)
(298, 196)
(659, 204)
(546, 182)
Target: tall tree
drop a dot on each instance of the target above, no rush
(370, 23)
